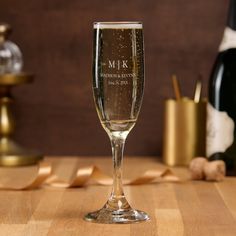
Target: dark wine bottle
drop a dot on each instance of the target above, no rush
(221, 134)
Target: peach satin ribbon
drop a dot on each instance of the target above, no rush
(42, 176)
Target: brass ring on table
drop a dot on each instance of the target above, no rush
(19, 160)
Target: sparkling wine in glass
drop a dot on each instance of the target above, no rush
(118, 84)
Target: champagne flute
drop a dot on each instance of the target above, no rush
(118, 84)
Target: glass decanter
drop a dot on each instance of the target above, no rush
(11, 60)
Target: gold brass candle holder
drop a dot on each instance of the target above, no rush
(11, 153)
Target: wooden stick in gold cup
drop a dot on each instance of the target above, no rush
(176, 87)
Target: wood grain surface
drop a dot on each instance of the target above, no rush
(56, 113)
(191, 208)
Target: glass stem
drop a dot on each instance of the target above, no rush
(117, 144)
(117, 195)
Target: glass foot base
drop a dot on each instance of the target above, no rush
(107, 216)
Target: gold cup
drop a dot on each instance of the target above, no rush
(184, 131)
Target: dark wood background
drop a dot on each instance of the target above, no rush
(56, 113)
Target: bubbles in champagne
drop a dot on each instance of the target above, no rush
(118, 76)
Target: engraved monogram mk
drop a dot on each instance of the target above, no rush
(118, 64)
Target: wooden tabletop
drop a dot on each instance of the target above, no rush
(188, 208)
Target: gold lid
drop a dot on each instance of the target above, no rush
(5, 30)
